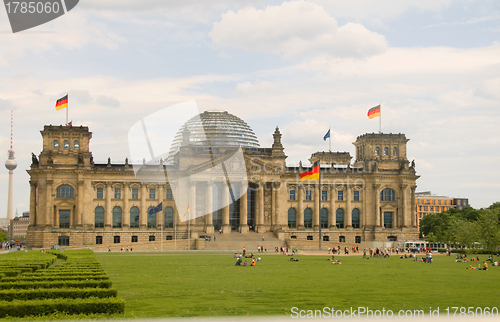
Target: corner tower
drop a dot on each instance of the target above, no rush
(388, 150)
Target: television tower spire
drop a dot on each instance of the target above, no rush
(10, 164)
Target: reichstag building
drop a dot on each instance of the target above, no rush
(76, 202)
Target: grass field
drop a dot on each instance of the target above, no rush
(206, 284)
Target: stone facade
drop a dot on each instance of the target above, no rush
(77, 202)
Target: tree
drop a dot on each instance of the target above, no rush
(3, 236)
(489, 229)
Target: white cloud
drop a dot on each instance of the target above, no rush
(295, 29)
(69, 32)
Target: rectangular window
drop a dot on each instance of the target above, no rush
(341, 239)
(357, 239)
(169, 193)
(324, 195)
(118, 193)
(326, 238)
(100, 194)
(169, 237)
(134, 239)
(292, 195)
(356, 195)
(98, 240)
(309, 237)
(152, 193)
(340, 195)
(64, 218)
(116, 239)
(135, 193)
(151, 238)
(388, 219)
(308, 195)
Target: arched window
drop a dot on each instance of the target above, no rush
(387, 195)
(99, 217)
(386, 151)
(323, 214)
(355, 218)
(66, 145)
(394, 151)
(65, 191)
(377, 151)
(292, 218)
(169, 217)
(117, 217)
(339, 216)
(55, 144)
(76, 145)
(308, 219)
(151, 219)
(134, 217)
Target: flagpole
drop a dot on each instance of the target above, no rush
(67, 109)
(330, 139)
(189, 232)
(319, 201)
(175, 233)
(380, 119)
(163, 223)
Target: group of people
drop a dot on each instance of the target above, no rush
(338, 250)
(121, 249)
(485, 266)
(252, 262)
(285, 250)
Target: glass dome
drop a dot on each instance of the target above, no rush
(215, 129)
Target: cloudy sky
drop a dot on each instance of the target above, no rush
(434, 65)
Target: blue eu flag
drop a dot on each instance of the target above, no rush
(327, 135)
(156, 209)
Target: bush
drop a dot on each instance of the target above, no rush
(52, 293)
(55, 284)
(55, 278)
(91, 305)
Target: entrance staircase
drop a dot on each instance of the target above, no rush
(235, 241)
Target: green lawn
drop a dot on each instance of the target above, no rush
(206, 284)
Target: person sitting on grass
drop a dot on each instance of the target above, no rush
(238, 262)
(245, 263)
(485, 266)
(332, 259)
(253, 262)
(337, 262)
(293, 260)
(259, 259)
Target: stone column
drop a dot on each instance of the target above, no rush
(226, 229)
(300, 211)
(108, 212)
(126, 209)
(276, 221)
(413, 207)
(209, 224)
(33, 214)
(79, 209)
(160, 215)
(315, 218)
(376, 193)
(143, 215)
(192, 202)
(332, 220)
(348, 210)
(88, 207)
(402, 218)
(49, 212)
(260, 215)
(243, 209)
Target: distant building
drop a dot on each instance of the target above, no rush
(427, 203)
(4, 223)
(461, 203)
(19, 226)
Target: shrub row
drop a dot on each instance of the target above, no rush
(55, 284)
(64, 273)
(54, 278)
(18, 308)
(52, 293)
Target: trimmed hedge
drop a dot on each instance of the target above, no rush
(52, 293)
(18, 308)
(55, 278)
(55, 284)
(63, 273)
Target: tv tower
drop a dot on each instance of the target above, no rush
(10, 164)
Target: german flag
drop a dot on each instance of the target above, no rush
(374, 112)
(311, 175)
(62, 103)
